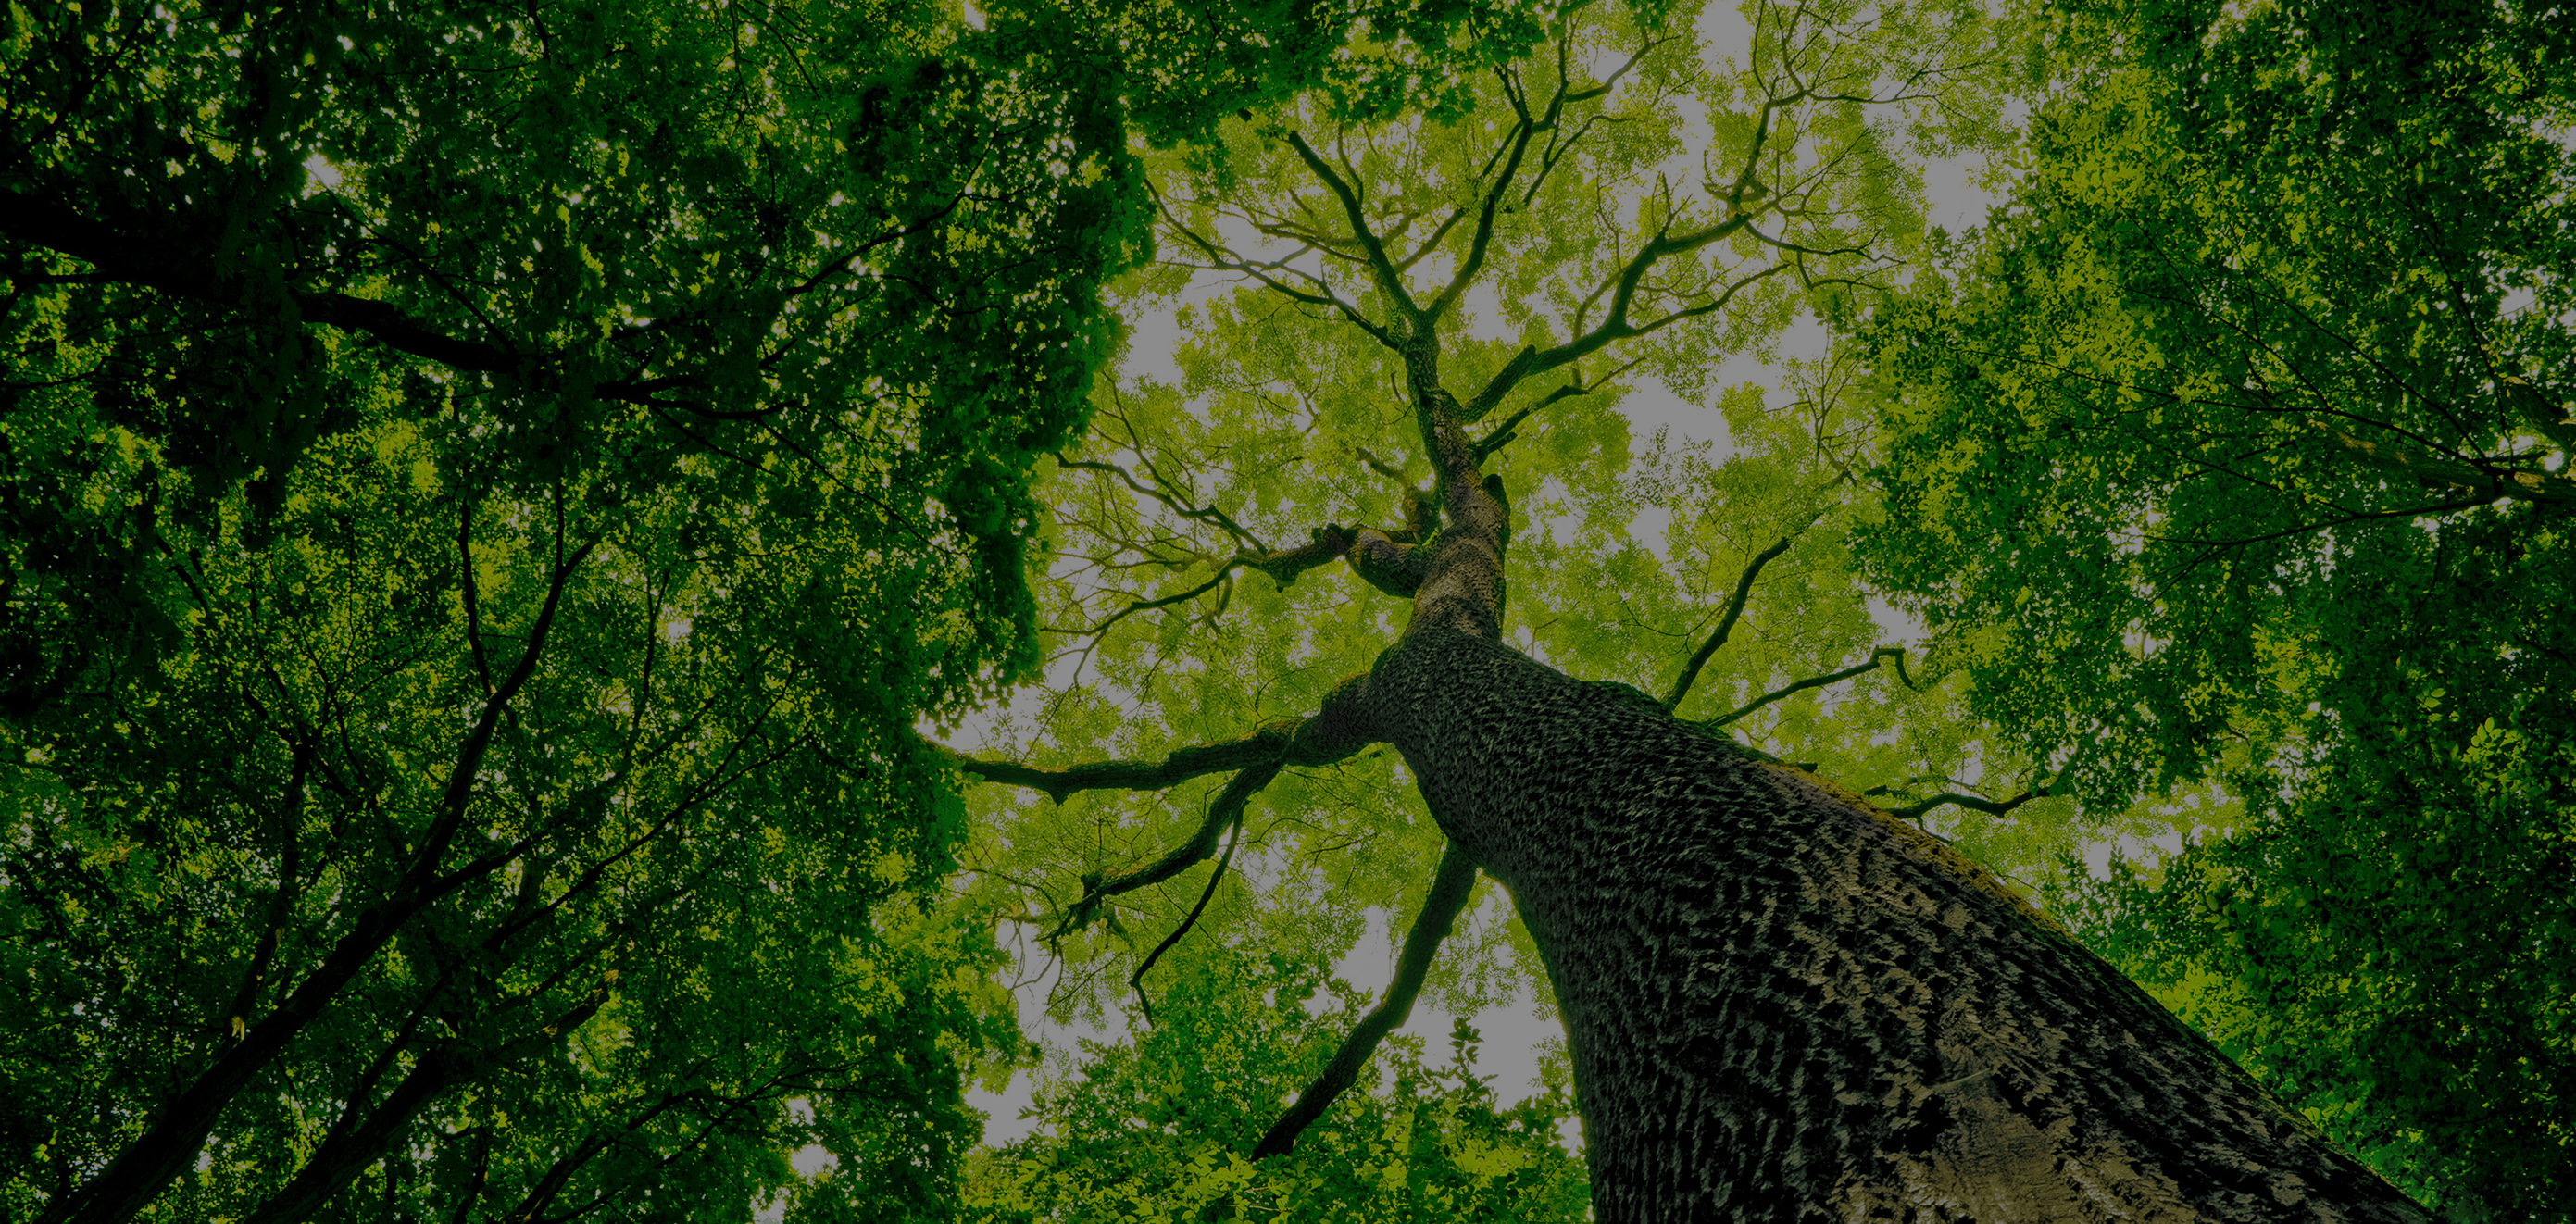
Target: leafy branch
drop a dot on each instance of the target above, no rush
(1256, 758)
(1136, 980)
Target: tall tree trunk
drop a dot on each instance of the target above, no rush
(1784, 1003)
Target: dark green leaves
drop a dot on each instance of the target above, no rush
(2236, 446)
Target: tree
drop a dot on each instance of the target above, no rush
(1780, 999)
(2274, 335)
(487, 491)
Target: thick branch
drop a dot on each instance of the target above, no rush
(1991, 807)
(1394, 568)
(1264, 745)
(1450, 886)
(1726, 623)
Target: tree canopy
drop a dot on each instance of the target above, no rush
(1612, 208)
(2237, 445)
(494, 498)
(488, 490)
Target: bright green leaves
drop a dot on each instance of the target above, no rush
(1157, 1128)
(1528, 255)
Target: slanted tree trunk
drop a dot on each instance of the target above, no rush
(1783, 1003)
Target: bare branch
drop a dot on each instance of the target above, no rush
(1136, 980)
(1726, 623)
(1451, 885)
(1883, 652)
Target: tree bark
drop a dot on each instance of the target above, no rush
(1783, 1003)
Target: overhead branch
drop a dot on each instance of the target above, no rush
(1450, 886)
(2448, 507)
(1991, 807)
(1502, 435)
(1884, 652)
(1510, 154)
(120, 258)
(1726, 623)
(1328, 544)
(1221, 259)
(1394, 568)
(1615, 325)
(1170, 499)
(151, 1160)
(1266, 744)
(1381, 268)
(1326, 737)
(2485, 479)
(1135, 606)
(1136, 980)
(1481, 243)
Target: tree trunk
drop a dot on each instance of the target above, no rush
(1783, 1003)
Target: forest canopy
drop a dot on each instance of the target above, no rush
(531, 536)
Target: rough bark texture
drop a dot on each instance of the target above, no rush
(1784, 1004)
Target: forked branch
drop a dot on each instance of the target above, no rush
(1257, 758)
(1450, 886)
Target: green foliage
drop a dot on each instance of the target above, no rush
(1169, 597)
(2201, 379)
(1156, 1128)
(2236, 446)
(512, 820)
(2384, 951)
(485, 493)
